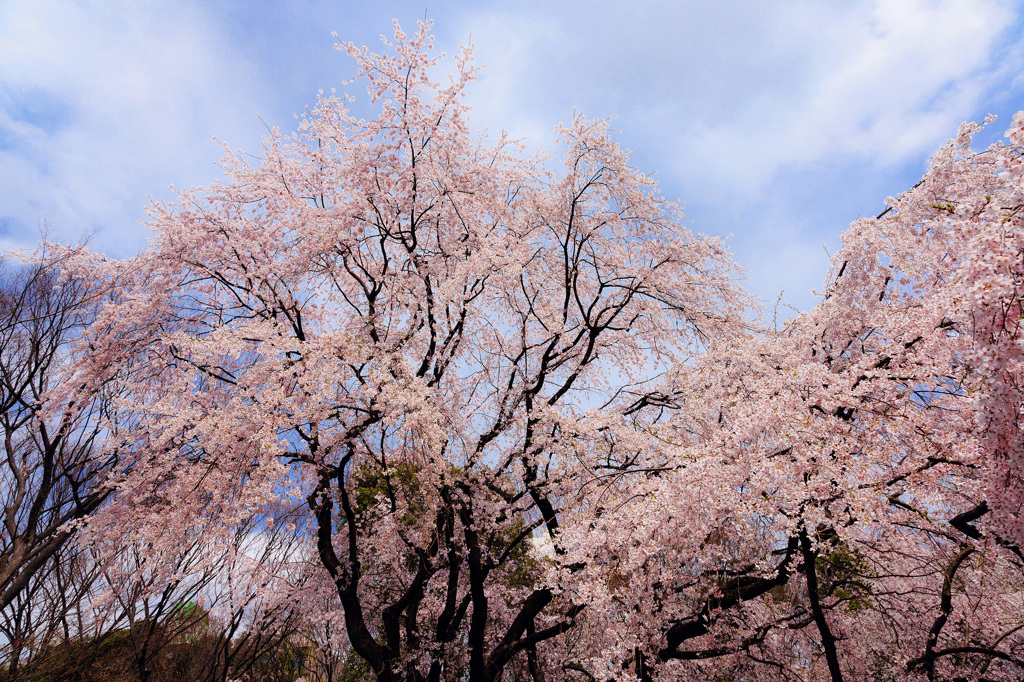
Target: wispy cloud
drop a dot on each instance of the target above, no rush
(734, 92)
(103, 102)
(777, 122)
(889, 86)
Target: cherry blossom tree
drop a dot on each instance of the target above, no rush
(403, 326)
(840, 498)
(226, 598)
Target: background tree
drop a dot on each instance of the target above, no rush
(53, 468)
(50, 468)
(820, 508)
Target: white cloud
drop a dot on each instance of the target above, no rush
(102, 102)
(895, 83)
(735, 102)
(506, 46)
(777, 122)
(734, 92)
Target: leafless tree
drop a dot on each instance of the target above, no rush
(51, 471)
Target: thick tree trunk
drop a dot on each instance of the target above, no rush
(828, 640)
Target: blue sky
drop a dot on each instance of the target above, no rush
(777, 123)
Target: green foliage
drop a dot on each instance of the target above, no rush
(283, 664)
(521, 569)
(193, 617)
(397, 482)
(946, 206)
(355, 669)
(841, 571)
(111, 658)
(108, 658)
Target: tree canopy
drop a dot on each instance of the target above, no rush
(423, 406)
